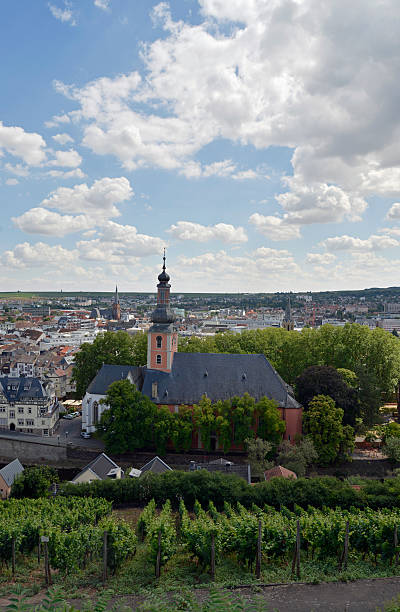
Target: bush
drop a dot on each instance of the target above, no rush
(392, 449)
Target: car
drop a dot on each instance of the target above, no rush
(85, 435)
(74, 415)
(68, 416)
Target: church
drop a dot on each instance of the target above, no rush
(174, 379)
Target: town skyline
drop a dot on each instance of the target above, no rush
(254, 140)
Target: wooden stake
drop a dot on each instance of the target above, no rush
(47, 571)
(158, 560)
(212, 556)
(298, 550)
(346, 545)
(105, 536)
(39, 551)
(396, 544)
(258, 559)
(13, 556)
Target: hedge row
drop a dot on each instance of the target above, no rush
(219, 488)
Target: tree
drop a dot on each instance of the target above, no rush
(128, 422)
(297, 457)
(326, 380)
(323, 421)
(271, 426)
(115, 348)
(392, 449)
(258, 452)
(34, 481)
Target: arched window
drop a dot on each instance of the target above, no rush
(158, 359)
(95, 413)
(159, 341)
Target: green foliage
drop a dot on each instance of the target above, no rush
(34, 481)
(121, 541)
(258, 453)
(204, 419)
(297, 457)
(163, 524)
(115, 348)
(392, 448)
(391, 430)
(323, 421)
(271, 426)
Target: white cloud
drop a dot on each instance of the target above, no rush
(119, 243)
(98, 200)
(321, 259)
(63, 138)
(66, 159)
(12, 181)
(65, 15)
(18, 169)
(275, 228)
(350, 243)
(27, 255)
(28, 146)
(76, 173)
(42, 221)
(57, 120)
(186, 230)
(102, 4)
(394, 211)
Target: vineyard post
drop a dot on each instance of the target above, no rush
(298, 549)
(396, 544)
(346, 545)
(47, 573)
(38, 550)
(212, 556)
(105, 535)
(158, 559)
(13, 556)
(258, 560)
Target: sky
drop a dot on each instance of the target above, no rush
(257, 140)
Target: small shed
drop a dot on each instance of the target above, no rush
(99, 469)
(156, 465)
(7, 476)
(279, 472)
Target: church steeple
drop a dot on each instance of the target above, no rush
(288, 322)
(116, 296)
(116, 308)
(162, 340)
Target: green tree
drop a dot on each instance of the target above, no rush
(116, 348)
(392, 449)
(242, 417)
(258, 453)
(35, 481)
(204, 418)
(128, 422)
(323, 422)
(271, 426)
(182, 429)
(297, 457)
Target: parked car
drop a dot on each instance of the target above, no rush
(85, 435)
(67, 416)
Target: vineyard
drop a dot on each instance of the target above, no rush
(79, 535)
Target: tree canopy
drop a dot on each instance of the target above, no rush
(34, 481)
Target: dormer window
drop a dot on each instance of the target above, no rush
(159, 341)
(154, 390)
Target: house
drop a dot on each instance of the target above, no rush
(155, 466)
(28, 405)
(7, 476)
(181, 379)
(99, 469)
(222, 465)
(279, 472)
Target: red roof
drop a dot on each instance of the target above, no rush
(279, 471)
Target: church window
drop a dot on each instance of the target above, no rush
(158, 359)
(159, 341)
(95, 413)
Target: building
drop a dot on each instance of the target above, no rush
(288, 322)
(116, 308)
(181, 379)
(28, 405)
(7, 476)
(99, 469)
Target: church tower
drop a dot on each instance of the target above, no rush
(162, 339)
(288, 322)
(116, 308)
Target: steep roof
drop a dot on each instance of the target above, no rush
(111, 373)
(101, 466)
(17, 389)
(218, 375)
(156, 465)
(11, 471)
(279, 471)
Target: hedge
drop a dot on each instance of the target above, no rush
(204, 486)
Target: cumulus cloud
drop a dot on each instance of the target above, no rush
(28, 146)
(275, 228)
(42, 221)
(102, 4)
(65, 15)
(63, 138)
(320, 259)
(27, 255)
(186, 230)
(57, 120)
(394, 211)
(12, 181)
(350, 243)
(75, 173)
(66, 159)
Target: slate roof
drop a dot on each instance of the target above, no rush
(16, 389)
(101, 466)
(111, 373)
(156, 465)
(11, 471)
(220, 376)
(279, 471)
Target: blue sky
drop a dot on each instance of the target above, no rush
(256, 139)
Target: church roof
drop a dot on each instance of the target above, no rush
(219, 376)
(111, 373)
